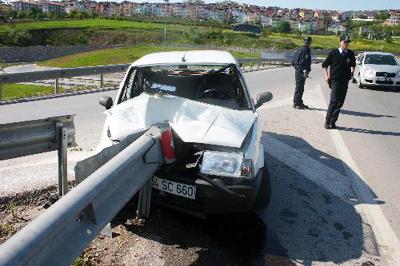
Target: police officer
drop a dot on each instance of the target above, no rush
(302, 63)
(341, 62)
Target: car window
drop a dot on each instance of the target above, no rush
(128, 85)
(217, 85)
(377, 59)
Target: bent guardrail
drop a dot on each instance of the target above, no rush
(38, 136)
(63, 231)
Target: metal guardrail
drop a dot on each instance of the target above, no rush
(63, 231)
(60, 73)
(57, 74)
(38, 136)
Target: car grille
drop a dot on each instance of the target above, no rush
(385, 74)
(384, 82)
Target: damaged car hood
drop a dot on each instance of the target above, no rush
(193, 121)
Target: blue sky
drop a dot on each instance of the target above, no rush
(316, 4)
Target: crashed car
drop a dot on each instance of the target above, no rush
(216, 161)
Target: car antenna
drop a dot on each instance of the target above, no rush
(183, 58)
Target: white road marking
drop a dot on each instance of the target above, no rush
(388, 243)
(286, 101)
(310, 168)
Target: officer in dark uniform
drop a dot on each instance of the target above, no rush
(341, 62)
(302, 63)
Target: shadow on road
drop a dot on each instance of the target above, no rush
(369, 131)
(306, 218)
(355, 113)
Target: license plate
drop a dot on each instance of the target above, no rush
(179, 189)
(384, 79)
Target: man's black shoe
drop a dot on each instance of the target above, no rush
(300, 106)
(330, 126)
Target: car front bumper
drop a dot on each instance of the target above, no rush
(211, 197)
(381, 81)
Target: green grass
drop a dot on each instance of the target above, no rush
(331, 42)
(92, 23)
(118, 56)
(15, 91)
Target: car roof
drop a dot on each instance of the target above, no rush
(193, 57)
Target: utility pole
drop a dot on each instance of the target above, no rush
(165, 22)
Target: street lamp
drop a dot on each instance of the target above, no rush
(165, 22)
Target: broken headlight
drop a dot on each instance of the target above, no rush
(222, 164)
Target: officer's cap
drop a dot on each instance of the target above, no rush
(307, 39)
(345, 38)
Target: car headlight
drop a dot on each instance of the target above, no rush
(222, 164)
(369, 73)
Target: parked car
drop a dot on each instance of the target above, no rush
(377, 69)
(216, 164)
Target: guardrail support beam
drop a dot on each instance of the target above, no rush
(62, 136)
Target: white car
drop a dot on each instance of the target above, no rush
(216, 164)
(377, 69)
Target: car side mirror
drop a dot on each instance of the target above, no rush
(263, 97)
(106, 101)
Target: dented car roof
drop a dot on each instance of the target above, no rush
(195, 57)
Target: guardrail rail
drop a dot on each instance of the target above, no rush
(63, 231)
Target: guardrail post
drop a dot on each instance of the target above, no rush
(101, 81)
(62, 159)
(56, 88)
(144, 203)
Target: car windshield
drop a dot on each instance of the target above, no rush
(377, 59)
(213, 84)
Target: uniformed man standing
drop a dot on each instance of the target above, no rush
(342, 63)
(302, 63)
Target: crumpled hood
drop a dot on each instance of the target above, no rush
(193, 121)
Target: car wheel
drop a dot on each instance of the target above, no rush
(264, 192)
(360, 85)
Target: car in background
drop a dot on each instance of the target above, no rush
(214, 160)
(375, 69)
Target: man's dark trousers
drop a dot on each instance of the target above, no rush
(338, 95)
(298, 92)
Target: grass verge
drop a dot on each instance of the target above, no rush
(123, 55)
(15, 91)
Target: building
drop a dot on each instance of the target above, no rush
(394, 18)
(52, 7)
(25, 6)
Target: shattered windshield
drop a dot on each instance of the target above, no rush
(212, 84)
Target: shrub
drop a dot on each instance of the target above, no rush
(17, 37)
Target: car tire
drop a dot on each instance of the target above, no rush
(359, 84)
(264, 192)
(353, 80)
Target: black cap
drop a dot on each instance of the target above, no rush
(307, 40)
(345, 38)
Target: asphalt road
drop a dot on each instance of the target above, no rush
(335, 193)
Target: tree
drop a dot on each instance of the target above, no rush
(283, 27)
(382, 15)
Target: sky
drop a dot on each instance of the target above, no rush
(341, 5)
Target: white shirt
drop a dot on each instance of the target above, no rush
(341, 50)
